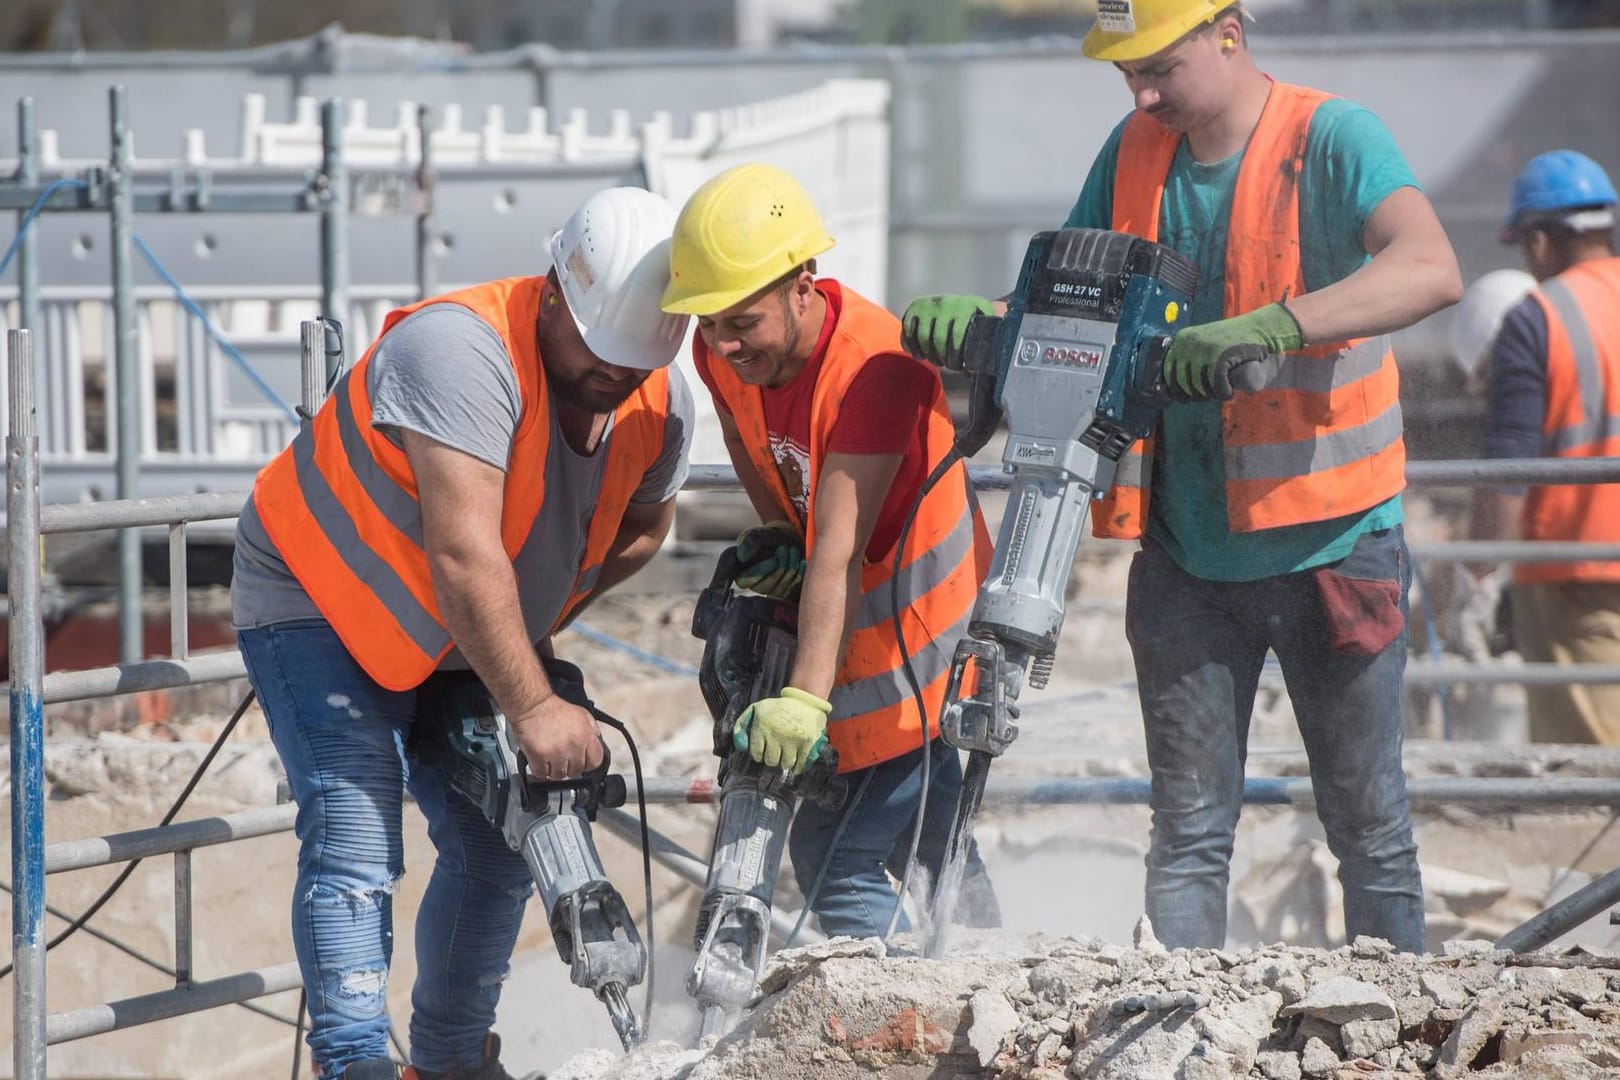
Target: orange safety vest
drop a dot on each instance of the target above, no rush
(340, 503)
(1324, 439)
(946, 557)
(1582, 418)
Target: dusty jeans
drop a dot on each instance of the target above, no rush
(1199, 646)
(341, 738)
(857, 897)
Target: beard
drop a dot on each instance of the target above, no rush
(591, 394)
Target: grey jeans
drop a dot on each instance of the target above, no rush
(1199, 646)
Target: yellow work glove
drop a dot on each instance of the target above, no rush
(786, 732)
(772, 560)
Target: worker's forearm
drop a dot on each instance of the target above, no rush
(619, 564)
(628, 555)
(759, 493)
(832, 587)
(478, 598)
(1389, 293)
(1496, 515)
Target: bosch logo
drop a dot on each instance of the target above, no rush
(1029, 352)
(1069, 356)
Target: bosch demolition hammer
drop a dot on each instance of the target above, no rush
(1075, 366)
(461, 730)
(748, 648)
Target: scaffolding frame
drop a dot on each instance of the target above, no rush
(30, 690)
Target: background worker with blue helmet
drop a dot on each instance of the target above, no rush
(1553, 387)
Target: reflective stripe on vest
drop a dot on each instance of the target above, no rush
(947, 552)
(1324, 438)
(1582, 419)
(340, 503)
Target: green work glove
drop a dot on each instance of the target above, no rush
(934, 327)
(785, 732)
(772, 560)
(1214, 359)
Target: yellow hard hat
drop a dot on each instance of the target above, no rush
(1136, 29)
(738, 233)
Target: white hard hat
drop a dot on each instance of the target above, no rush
(612, 259)
(1479, 314)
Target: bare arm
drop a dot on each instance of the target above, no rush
(848, 499)
(1413, 272)
(1497, 515)
(759, 493)
(641, 533)
(461, 499)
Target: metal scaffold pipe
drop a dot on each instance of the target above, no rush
(1484, 792)
(27, 665)
(127, 380)
(1563, 916)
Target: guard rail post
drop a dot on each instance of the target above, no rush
(27, 678)
(27, 250)
(127, 380)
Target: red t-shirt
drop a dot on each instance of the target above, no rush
(883, 412)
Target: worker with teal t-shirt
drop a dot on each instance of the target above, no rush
(1270, 520)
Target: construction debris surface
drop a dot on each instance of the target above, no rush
(1045, 1009)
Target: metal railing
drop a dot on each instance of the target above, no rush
(113, 190)
(30, 690)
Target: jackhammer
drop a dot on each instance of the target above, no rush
(461, 730)
(748, 648)
(1075, 366)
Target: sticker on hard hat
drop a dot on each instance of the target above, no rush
(1116, 17)
(579, 268)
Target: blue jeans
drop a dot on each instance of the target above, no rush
(1199, 646)
(856, 896)
(341, 739)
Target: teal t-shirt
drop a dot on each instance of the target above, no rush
(1351, 165)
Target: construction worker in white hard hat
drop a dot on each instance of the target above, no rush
(832, 429)
(1274, 518)
(500, 456)
(1553, 390)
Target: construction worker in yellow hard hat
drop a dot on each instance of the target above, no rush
(1137, 29)
(1274, 518)
(832, 429)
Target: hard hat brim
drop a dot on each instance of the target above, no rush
(703, 305)
(1117, 48)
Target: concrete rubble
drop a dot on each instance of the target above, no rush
(1040, 1008)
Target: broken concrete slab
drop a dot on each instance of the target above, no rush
(847, 1011)
(1473, 1030)
(1364, 1038)
(993, 1019)
(1341, 999)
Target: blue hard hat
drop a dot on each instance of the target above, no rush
(1553, 184)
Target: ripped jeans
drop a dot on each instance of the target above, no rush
(341, 739)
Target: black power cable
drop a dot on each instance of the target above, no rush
(151, 962)
(129, 868)
(934, 477)
(646, 859)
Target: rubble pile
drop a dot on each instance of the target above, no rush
(1044, 1009)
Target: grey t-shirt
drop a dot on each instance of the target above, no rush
(444, 372)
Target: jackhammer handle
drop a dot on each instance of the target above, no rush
(1244, 367)
(604, 788)
(979, 345)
